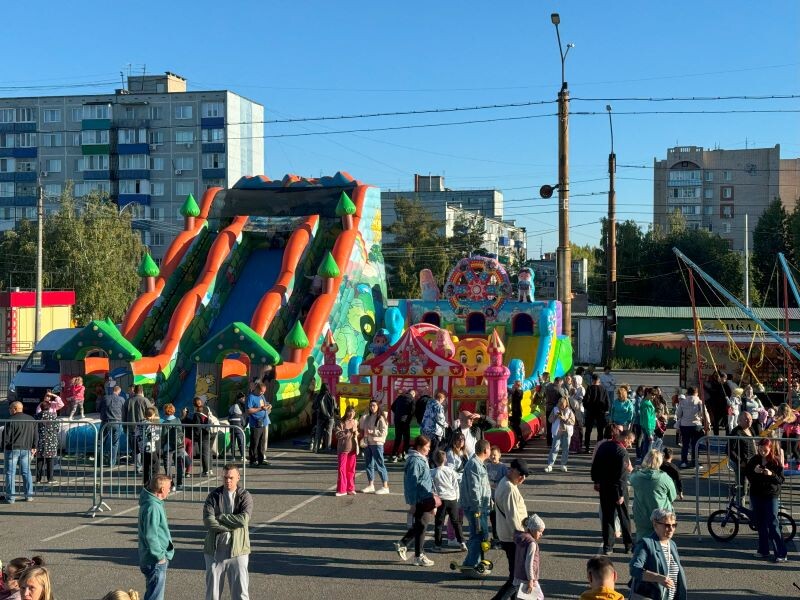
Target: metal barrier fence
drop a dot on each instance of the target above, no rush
(717, 478)
(64, 464)
(129, 454)
(8, 368)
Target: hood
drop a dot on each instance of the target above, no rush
(601, 594)
(170, 418)
(414, 455)
(649, 474)
(521, 537)
(147, 497)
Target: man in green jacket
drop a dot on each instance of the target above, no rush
(226, 517)
(155, 541)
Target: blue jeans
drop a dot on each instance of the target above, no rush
(373, 456)
(155, 577)
(113, 431)
(647, 440)
(478, 532)
(562, 441)
(765, 512)
(23, 457)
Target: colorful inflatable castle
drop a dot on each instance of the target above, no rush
(473, 341)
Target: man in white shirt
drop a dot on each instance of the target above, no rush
(464, 425)
(609, 382)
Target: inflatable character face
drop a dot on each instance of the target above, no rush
(525, 275)
(427, 284)
(380, 342)
(473, 353)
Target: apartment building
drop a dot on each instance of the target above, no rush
(147, 147)
(715, 189)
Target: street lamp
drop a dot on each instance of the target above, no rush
(611, 250)
(563, 254)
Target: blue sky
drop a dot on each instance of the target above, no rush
(308, 59)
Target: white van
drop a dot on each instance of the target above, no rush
(40, 371)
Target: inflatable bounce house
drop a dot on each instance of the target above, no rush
(473, 341)
(262, 274)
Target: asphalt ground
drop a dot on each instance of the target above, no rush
(307, 543)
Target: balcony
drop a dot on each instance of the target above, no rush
(25, 201)
(25, 176)
(133, 148)
(96, 124)
(125, 199)
(19, 152)
(133, 174)
(92, 149)
(213, 173)
(213, 147)
(96, 175)
(25, 127)
(131, 123)
(212, 122)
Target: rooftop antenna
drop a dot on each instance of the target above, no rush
(122, 79)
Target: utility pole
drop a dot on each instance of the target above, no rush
(746, 263)
(611, 251)
(37, 327)
(564, 253)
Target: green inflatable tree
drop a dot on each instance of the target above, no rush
(328, 268)
(148, 267)
(345, 209)
(190, 207)
(297, 340)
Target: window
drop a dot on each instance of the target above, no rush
(708, 210)
(684, 175)
(213, 161)
(709, 176)
(134, 186)
(676, 192)
(726, 192)
(727, 175)
(689, 210)
(213, 109)
(133, 161)
(213, 135)
(6, 189)
(52, 115)
(132, 136)
(183, 111)
(94, 162)
(76, 114)
(184, 163)
(157, 214)
(7, 213)
(156, 238)
(138, 211)
(7, 115)
(96, 111)
(52, 165)
(7, 140)
(7, 165)
(708, 194)
(156, 164)
(183, 189)
(157, 189)
(52, 190)
(87, 187)
(26, 140)
(52, 140)
(26, 166)
(155, 137)
(74, 138)
(94, 136)
(210, 183)
(156, 112)
(26, 115)
(726, 211)
(726, 228)
(184, 136)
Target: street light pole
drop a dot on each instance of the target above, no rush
(564, 253)
(37, 317)
(611, 250)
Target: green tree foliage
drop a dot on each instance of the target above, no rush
(469, 233)
(88, 247)
(417, 245)
(770, 236)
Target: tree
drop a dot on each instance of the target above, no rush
(770, 236)
(469, 236)
(89, 247)
(416, 245)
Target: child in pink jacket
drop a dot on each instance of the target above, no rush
(75, 394)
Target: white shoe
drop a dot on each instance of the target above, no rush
(370, 489)
(401, 550)
(383, 490)
(548, 468)
(338, 494)
(564, 468)
(423, 561)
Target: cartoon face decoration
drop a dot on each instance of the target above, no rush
(380, 342)
(525, 275)
(473, 353)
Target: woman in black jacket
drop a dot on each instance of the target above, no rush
(764, 471)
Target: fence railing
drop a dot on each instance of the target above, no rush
(718, 478)
(8, 368)
(83, 459)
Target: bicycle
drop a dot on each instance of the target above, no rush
(723, 525)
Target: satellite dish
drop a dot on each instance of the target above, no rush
(546, 191)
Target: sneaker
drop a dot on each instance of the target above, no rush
(422, 561)
(463, 547)
(683, 465)
(759, 555)
(370, 489)
(395, 459)
(400, 549)
(548, 469)
(338, 494)
(564, 468)
(701, 467)
(381, 491)
(453, 544)
(781, 559)
(28, 498)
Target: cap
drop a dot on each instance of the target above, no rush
(521, 466)
(534, 523)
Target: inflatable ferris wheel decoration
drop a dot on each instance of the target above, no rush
(477, 279)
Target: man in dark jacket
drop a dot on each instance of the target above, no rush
(610, 469)
(402, 410)
(112, 412)
(20, 437)
(325, 406)
(135, 408)
(595, 406)
(226, 517)
(742, 450)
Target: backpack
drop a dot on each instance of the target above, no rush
(421, 408)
